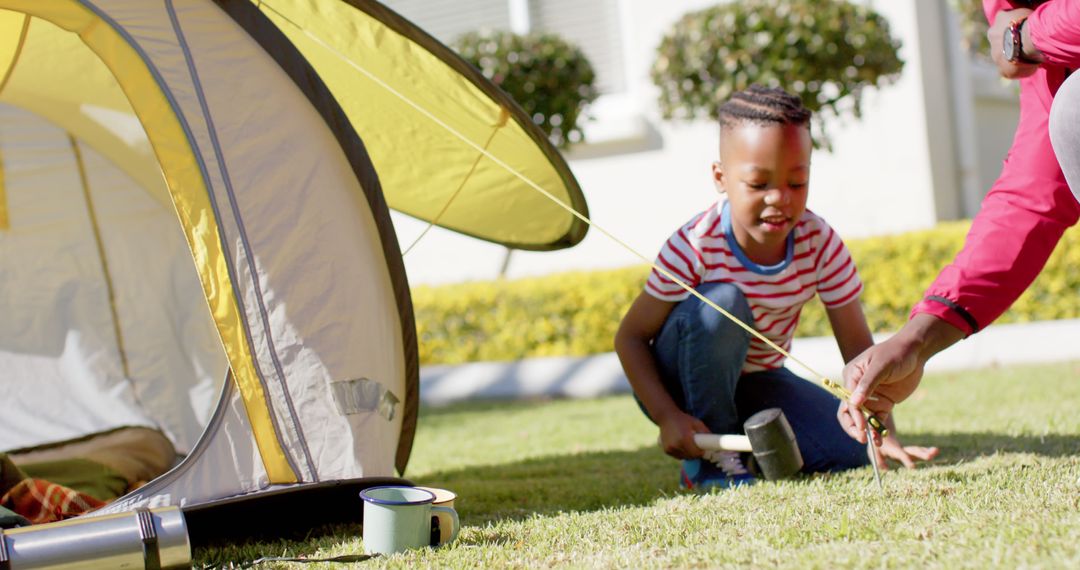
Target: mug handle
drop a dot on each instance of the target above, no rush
(454, 516)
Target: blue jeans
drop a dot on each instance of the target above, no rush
(700, 354)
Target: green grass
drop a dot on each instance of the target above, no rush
(581, 484)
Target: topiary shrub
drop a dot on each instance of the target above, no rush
(825, 51)
(551, 79)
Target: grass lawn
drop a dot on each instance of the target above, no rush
(582, 484)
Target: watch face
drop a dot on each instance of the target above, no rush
(1008, 45)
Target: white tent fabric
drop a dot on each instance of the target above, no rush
(95, 364)
(194, 237)
(127, 326)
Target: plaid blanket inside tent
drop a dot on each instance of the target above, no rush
(38, 500)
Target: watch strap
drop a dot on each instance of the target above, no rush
(1014, 50)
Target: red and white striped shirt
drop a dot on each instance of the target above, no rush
(705, 251)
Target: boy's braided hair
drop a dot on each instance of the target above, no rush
(763, 106)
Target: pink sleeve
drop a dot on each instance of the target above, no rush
(1055, 30)
(1018, 225)
(992, 7)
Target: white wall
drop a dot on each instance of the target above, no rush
(905, 165)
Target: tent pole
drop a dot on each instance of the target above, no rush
(5, 218)
(15, 56)
(101, 254)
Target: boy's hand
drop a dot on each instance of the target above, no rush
(907, 455)
(677, 436)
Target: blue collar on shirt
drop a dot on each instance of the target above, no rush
(725, 221)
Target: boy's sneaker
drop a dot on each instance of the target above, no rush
(722, 469)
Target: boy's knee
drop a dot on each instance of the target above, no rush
(728, 297)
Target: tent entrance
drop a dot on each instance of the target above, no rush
(122, 118)
(105, 320)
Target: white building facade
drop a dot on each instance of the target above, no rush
(927, 148)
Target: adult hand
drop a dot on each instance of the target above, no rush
(996, 34)
(890, 371)
(677, 435)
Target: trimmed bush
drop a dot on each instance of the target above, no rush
(551, 79)
(825, 51)
(577, 313)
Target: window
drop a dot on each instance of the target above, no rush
(592, 25)
(448, 19)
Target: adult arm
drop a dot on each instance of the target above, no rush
(1050, 34)
(1023, 216)
(1000, 20)
(1018, 225)
(1020, 222)
(1054, 30)
(638, 328)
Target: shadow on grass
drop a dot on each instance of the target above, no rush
(960, 447)
(596, 481)
(236, 554)
(599, 480)
(549, 485)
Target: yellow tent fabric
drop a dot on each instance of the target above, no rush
(431, 123)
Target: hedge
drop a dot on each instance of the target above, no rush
(577, 313)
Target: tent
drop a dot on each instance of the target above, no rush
(194, 233)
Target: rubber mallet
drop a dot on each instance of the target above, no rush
(768, 436)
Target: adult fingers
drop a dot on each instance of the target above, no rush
(864, 381)
(862, 375)
(847, 422)
(882, 419)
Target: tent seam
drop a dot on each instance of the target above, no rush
(197, 155)
(303, 75)
(261, 305)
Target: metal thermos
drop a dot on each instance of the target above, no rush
(145, 538)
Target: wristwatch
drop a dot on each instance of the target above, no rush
(1012, 45)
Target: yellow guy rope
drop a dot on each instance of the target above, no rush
(835, 388)
(504, 116)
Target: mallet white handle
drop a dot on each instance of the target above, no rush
(722, 442)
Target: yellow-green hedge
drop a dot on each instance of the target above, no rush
(577, 313)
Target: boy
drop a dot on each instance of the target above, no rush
(760, 255)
